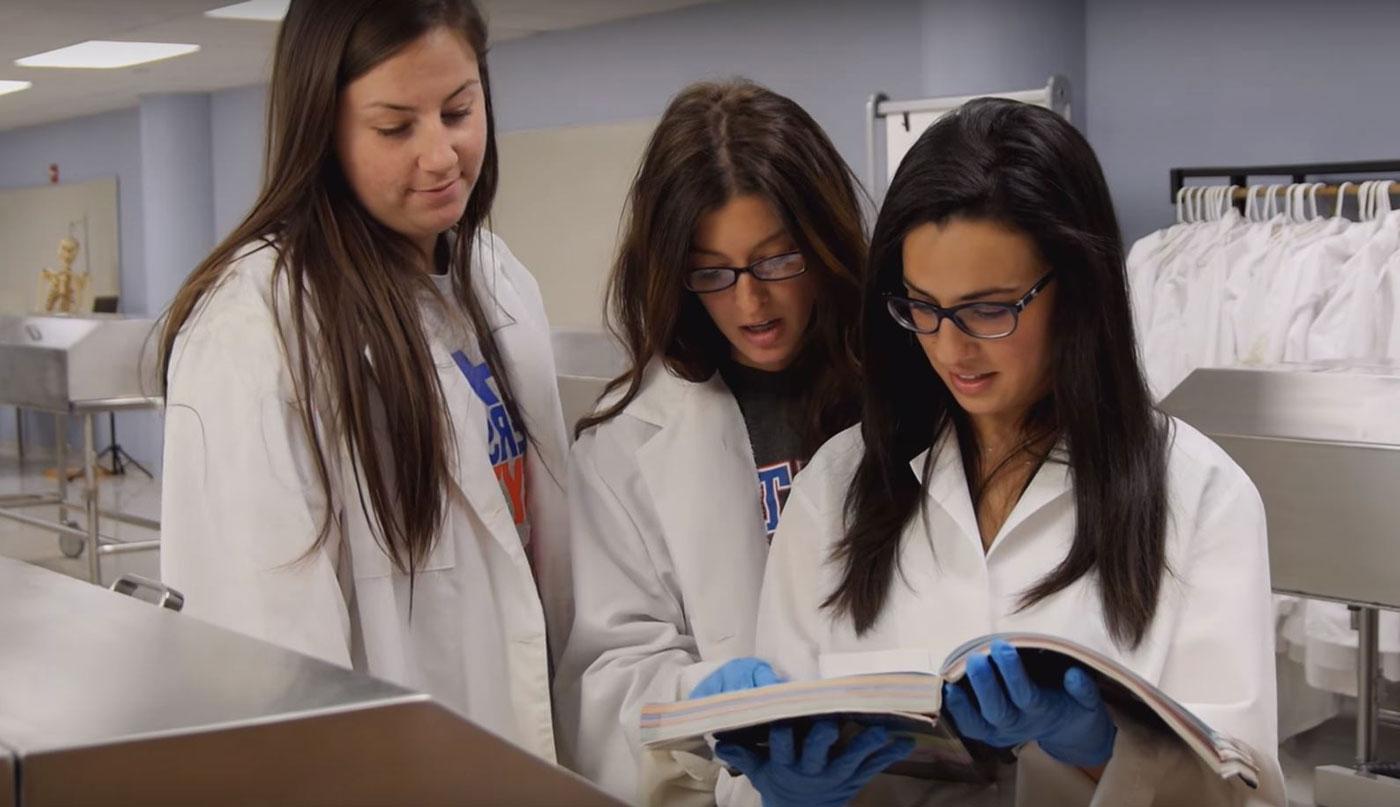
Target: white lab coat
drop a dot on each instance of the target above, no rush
(669, 548)
(1210, 645)
(241, 506)
(1388, 310)
(1353, 321)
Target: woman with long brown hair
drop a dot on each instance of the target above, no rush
(735, 293)
(364, 443)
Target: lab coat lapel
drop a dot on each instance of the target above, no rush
(1050, 483)
(700, 472)
(947, 488)
(473, 473)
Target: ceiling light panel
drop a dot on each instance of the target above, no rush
(263, 10)
(98, 54)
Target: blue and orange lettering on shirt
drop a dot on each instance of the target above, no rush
(506, 443)
(774, 482)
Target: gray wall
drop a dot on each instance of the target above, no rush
(177, 182)
(827, 56)
(1003, 45)
(1198, 82)
(238, 118)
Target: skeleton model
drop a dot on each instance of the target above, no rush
(64, 286)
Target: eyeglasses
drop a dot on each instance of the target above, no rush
(718, 278)
(979, 320)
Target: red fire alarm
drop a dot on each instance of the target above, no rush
(53, 173)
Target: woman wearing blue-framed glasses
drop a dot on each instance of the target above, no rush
(1012, 473)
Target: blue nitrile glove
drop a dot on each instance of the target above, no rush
(786, 778)
(734, 675)
(1070, 723)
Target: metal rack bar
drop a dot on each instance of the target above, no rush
(1055, 95)
(1240, 174)
(1326, 192)
(88, 534)
(1367, 622)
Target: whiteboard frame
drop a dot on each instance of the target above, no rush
(1055, 96)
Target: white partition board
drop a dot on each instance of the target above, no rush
(560, 206)
(33, 221)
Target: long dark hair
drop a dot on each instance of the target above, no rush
(353, 284)
(1029, 169)
(714, 142)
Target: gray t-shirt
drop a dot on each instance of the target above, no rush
(768, 401)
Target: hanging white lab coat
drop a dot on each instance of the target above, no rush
(241, 506)
(1252, 266)
(1143, 257)
(1176, 325)
(669, 547)
(1387, 314)
(1210, 645)
(1353, 320)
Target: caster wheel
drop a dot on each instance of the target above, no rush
(71, 547)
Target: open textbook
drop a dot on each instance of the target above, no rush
(909, 703)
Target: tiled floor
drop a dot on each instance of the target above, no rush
(133, 493)
(1331, 743)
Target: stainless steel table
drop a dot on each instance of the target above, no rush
(107, 700)
(1322, 444)
(77, 367)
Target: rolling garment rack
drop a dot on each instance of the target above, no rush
(1299, 173)
(1299, 412)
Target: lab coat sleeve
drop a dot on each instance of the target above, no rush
(630, 644)
(791, 619)
(240, 502)
(1220, 665)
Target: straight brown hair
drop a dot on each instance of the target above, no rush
(359, 354)
(716, 141)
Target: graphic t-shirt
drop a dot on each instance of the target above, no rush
(768, 402)
(506, 445)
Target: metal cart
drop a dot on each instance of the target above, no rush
(77, 367)
(1322, 444)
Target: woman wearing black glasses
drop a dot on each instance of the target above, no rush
(1011, 473)
(736, 293)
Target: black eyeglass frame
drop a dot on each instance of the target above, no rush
(953, 312)
(735, 271)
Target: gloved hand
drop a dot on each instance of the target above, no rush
(734, 675)
(785, 778)
(1070, 723)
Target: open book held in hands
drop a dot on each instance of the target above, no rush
(909, 703)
